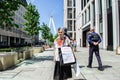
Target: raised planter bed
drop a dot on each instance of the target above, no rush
(8, 59)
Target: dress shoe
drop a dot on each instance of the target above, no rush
(89, 66)
(101, 69)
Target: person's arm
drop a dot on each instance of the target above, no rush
(99, 39)
(89, 39)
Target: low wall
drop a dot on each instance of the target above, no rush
(7, 59)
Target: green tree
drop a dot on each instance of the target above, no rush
(56, 35)
(32, 24)
(45, 30)
(51, 37)
(7, 11)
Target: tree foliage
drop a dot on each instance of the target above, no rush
(7, 9)
(45, 30)
(32, 20)
(51, 37)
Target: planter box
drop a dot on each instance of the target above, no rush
(27, 54)
(37, 49)
(8, 59)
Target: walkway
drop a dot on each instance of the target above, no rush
(41, 67)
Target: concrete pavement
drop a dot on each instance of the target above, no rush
(41, 67)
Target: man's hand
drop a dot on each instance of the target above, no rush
(95, 43)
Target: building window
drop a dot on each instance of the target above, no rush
(74, 13)
(109, 4)
(69, 3)
(70, 34)
(75, 36)
(81, 4)
(84, 3)
(85, 17)
(69, 12)
(87, 0)
(100, 6)
(101, 27)
(69, 25)
(82, 19)
(74, 25)
(89, 13)
(93, 10)
(74, 3)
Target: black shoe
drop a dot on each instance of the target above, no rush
(89, 66)
(101, 69)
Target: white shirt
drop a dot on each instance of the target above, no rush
(65, 43)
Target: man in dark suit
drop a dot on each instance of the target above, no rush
(94, 40)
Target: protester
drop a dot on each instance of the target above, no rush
(61, 72)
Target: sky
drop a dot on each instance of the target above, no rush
(47, 8)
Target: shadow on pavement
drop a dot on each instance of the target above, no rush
(105, 66)
(80, 79)
(43, 58)
(81, 66)
(32, 61)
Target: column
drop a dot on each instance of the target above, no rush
(8, 41)
(104, 15)
(97, 16)
(14, 40)
(115, 14)
(1, 38)
(78, 9)
(91, 14)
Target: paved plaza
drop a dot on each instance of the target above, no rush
(41, 67)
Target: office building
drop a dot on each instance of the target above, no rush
(70, 17)
(104, 16)
(10, 36)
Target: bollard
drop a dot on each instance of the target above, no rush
(118, 50)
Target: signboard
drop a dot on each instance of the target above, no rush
(68, 55)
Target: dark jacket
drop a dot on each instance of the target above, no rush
(93, 37)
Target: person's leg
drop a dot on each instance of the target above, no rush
(91, 49)
(67, 72)
(98, 59)
(57, 71)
